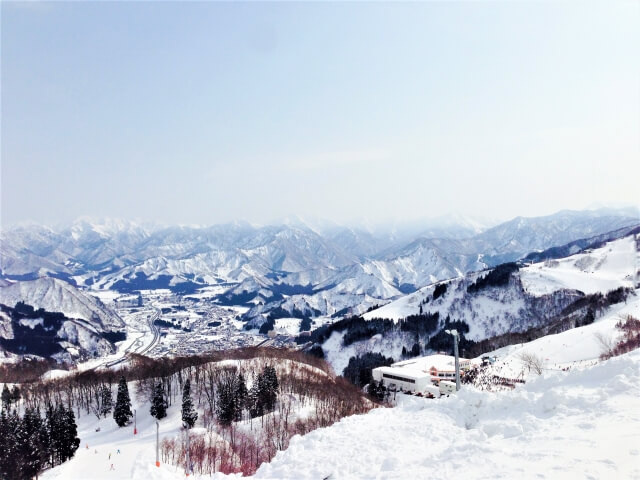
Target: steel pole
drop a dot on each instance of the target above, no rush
(157, 444)
(135, 424)
(188, 469)
(455, 352)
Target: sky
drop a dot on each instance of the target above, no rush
(209, 112)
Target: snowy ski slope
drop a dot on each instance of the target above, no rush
(579, 423)
(611, 266)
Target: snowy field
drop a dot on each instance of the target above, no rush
(599, 270)
(574, 424)
(136, 459)
(584, 424)
(287, 326)
(570, 349)
(580, 423)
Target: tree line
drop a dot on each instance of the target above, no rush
(32, 442)
(260, 387)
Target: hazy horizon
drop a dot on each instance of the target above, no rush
(447, 222)
(206, 113)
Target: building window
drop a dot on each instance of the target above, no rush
(401, 379)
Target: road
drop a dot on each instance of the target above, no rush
(137, 346)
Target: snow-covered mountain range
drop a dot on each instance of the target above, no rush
(317, 269)
(56, 320)
(552, 295)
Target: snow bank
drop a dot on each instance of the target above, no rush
(580, 424)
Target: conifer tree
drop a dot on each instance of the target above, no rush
(51, 429)
(268, 388)
(122, 412)
(376, 390)
(33, 453)
(62, 434)
(8, 443)
(68, 432)
(253, 400)
(6, 397)
(241, 395)
(225, 393)
(189, 414)
(106, 401)
(158, 403)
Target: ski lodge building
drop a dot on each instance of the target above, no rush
(416, 374)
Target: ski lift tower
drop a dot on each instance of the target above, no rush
(456, 339)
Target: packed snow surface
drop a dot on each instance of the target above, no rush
(569, 349)
(580, 419)
(579, 424)
(583, 422)
(600, 270)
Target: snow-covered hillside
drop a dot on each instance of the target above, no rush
(578, 424)
(54, 295)
(308, 397)
(566, 350)
(496, 310)
(579, 419)
(614, 265)
(83, 330)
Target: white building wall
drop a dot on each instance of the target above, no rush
(419, 384)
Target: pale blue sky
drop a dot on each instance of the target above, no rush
(209, 112)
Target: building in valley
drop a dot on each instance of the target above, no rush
(416, 374)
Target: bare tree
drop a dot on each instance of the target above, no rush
(532, 362)
(607, 344)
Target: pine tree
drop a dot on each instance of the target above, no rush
(44, 438)
(240, 399)
(106, 401)
(69, 432)
(268, 388)
(158, 403)
(122, 412)
(189, 414)
(9, 423)
(51, 427)
(6, 397)
(253, 400)
(225, 393)
(376, 390)
(3, 443)
(54, 428)
(32, 451)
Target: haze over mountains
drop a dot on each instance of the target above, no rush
(311, 269)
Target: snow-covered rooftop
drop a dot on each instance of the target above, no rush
(419, 366)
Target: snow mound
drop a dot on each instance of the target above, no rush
(579, 424)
